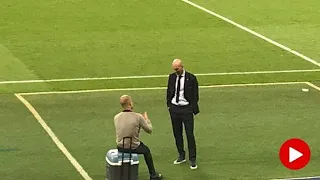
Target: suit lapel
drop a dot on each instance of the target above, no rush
(186, 81)
(174, 77)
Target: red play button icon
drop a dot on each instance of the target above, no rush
(294, 154)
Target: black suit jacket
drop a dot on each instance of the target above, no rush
(191, 90)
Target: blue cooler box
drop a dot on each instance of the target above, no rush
(114, 165)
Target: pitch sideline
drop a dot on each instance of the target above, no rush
(154, 76)
(54, 138)
(157, 88)
(253, 32)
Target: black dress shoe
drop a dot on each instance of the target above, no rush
(156, 177)
(180, 160)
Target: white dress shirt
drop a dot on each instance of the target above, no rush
(182, 100)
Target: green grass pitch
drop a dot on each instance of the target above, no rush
(240, 128)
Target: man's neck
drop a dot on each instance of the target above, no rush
(127, 110)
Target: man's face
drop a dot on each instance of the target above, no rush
(177, 68)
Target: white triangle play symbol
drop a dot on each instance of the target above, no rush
(294, 154)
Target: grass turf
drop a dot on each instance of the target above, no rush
(255, 121)
(26, 151)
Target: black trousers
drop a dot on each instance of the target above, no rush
(183, 115)
(142, 149)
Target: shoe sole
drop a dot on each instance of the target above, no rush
(193, 167)
(175, 162)
(157, 178)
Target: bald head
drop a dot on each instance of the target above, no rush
(177, 66)
(177, 62)
(126, 102)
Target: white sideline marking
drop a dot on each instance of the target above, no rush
(54, 137)
(157, 76)
(300, 178)
(254, 33)
(158, 88)
(313, 85)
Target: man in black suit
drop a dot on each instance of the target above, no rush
(182, 103)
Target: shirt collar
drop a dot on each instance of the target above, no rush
(126, 110)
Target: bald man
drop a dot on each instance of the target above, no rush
(182, 102)
(128, 124)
